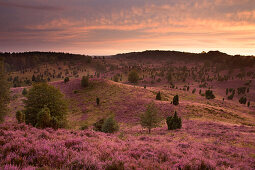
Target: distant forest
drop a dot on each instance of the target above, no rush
(20, 61)
(235, 61)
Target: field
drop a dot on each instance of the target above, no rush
(216, 134)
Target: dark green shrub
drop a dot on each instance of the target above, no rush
(209, 94)
(174, 122)
(242, 100)
(24, 92)
(133, 77)
(20, 116)
(150, 118)
(200, 91)
(110, 125)
(176, 100)
(144, 86)
(194, 91)
(98, 101)
(248, 104)
(66, 79)
(227, 91)
(85, 81)
(98, 125)
(40, 96)
(158, 96)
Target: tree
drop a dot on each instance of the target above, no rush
(85, 81)
(44, 118)
(242, 100)
(209, 94)
(176, 100)
(66, 79)
(174, 122)
(248, 104)
(158, 96)
(41, 95)
(24, 92)
(98, 101)
(4, 92)
(150, 119)
(133, 77)
(110, 125)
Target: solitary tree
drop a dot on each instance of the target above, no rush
(4, 92)
(158, 96)
(133, 77)
(66, 79)
(176, 100)
(209, 94)
(40, 96)
(174, 122)
(150, 118)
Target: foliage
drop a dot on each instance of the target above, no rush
(66, 79)
(84, 127)
(242, 100)
(150, 118)
(98, 125)
(24, 92)
(174, 122)
(110, 125)
(176, 100)
(98, 101)
(20, 116)
(248, 104)
(209, 94)
(194, 91)
(4, 92)
(41, 95)
(44, 118)
(133, 77)
(158, 96)
(85, 81)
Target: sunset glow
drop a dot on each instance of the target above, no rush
(97, 27)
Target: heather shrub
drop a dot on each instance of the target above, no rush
(174, 122)
(133, 77)
(115, 166)
(242, 100)
(150, 118)
(110, 125)
(85, 81)
(4, 92)
(39, 96)
(176, 100)
(209, 94)
(98, 101)
(20, 116)
(43, 118)
(66, 79)
(158, 96)
(98, 125)
(24, 92)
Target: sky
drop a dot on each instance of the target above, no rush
(105, 27)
